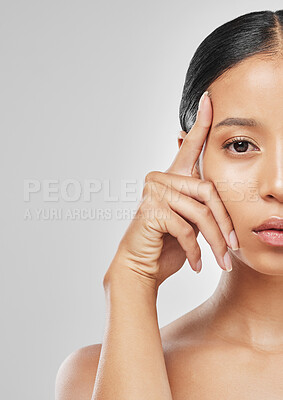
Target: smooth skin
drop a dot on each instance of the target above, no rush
(231, 346)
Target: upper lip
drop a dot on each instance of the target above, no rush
(270, 223)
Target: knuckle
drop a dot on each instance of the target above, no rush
(149, 189)
(145, 190)
(206, 187)
(188, 232)
(157, 191)
(151, 176)
(205, 211)
(210, 185)
(145, 206)
(203, 125)
(151, 194)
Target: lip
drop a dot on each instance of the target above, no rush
(270, 223)
(271, 231)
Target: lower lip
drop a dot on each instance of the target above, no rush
(275, 238)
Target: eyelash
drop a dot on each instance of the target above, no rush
(236, 140)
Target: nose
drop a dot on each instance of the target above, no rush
(271, 176)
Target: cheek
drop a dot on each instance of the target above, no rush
(231, 182)
(211, 167)
(230, 175)
(233, 187)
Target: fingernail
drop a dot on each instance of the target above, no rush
(201, 99)
(198, 266)
(233, 240)
(227, 262)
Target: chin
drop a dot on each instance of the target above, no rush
(266, 260)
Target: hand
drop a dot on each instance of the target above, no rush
(175, 206)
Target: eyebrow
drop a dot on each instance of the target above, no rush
(237, 122)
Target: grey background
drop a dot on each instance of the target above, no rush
(89, 90)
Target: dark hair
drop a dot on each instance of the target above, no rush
(258, 32)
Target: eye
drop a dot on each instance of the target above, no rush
(239, 144)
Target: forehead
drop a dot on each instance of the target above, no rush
(253, 88)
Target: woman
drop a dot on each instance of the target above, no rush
(226, 181)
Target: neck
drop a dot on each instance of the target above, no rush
(248, 308)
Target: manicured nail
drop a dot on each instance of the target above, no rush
(233, 240)
(198, 266)
(227, 262)
(201, 99)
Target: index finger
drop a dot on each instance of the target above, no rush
(191, 147)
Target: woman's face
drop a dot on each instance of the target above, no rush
(249, 176)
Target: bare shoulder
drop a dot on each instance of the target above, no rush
(76, 375)
(198, 364)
